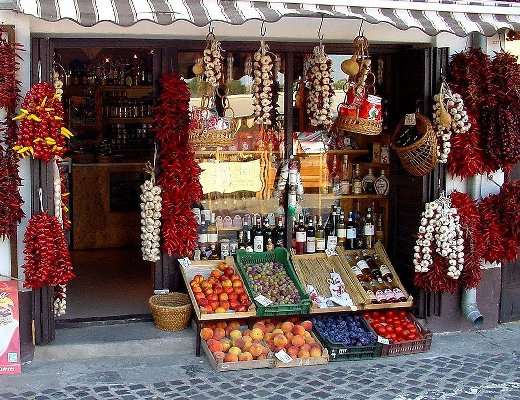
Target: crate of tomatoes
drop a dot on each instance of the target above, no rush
(399, 332)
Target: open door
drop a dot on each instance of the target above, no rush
(415, 77)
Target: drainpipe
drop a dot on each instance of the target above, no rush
(468, 302)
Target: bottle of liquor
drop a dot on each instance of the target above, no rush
(351, 233)
(380, 233)
(341, 231)
(258, 236)
(382, 184)
(203, 234)
(213, 252)
(357, 186)
(345, 182)
(268, 235)
(279, 233)
(246, 242)
(330, 231)
(362, 265)
(301, 236)
(212, 231)
(388, 278)
(360, 238)
(320, 236)
(369, 230)
(310, 246)
(368, 182)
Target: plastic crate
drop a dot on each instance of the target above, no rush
(421, 345)
(340, 352)
(282, 256)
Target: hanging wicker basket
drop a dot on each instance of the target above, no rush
(419, 158)
(172, 311)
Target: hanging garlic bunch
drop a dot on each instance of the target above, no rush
(60, 300)
(320, 85)
(440, 234)
(264, 103)
(449, 118)
(151, 205)
(212, 61)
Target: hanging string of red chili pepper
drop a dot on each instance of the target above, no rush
(179, 175)
(41, 133)
(47, 258)
(10, 199)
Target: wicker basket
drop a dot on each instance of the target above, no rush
(419, 158)
(359, 125)
(172, 311)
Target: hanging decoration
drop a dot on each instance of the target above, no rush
(41, 133)
(47, 258)
(265, 94)
(179, 177)
(361, 111)
(151, 206)
(449, 118)
(10, 201)
(319, 82)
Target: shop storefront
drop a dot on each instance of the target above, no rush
(278, 169)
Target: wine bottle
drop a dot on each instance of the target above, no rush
(320, 236)
(310, 237)
(330, 231)
(351, 233)
(341, 231)
(301, 236)
(258, 236)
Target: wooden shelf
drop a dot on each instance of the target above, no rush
(329, 196)
(111, 87)
(144, 120)
(360, 152)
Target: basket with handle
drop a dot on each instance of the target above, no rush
(171, 311)
(420, 157)
(201, 135)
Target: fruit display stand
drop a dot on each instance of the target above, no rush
(421, 344)
(348, 257)
(341, 352)
(315, 270)
(263, 308)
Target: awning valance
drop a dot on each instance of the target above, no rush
(430, 16)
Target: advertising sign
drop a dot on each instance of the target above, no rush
(9, 329)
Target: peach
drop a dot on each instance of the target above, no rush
(293, 351)
(298, 341)
(268, 336)
(259, 325)
(206, 333)
(256, 349)
(240, 343)
(226, 344)
(303, 353)
(220, 310)
(277, 331)
(280, 340)
(247, 332)
(289, 336)
(298, 330)
(219, 333)
(235, 334)
(315, 350)
(219, 355)
(261, 357)
(214, 345)
(269, 327)
(246, 356)
(230, 357)
(306, 347)
(287, 326)
(247, 344)
(257, 334)
(265, 350)
(309, 340)
(234, 350)
(307, 325)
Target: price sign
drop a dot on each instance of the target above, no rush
(383, 340)
(409, 120)
(330, 252)
(185, 262)
(283, 356)
(341, 301)
(263, 300)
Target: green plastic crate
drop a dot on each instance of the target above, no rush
(280, 255)
(340, 352)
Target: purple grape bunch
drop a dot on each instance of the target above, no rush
(270, 280)
(349, 330)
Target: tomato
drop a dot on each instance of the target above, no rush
(390, 329)
(381, 331)
(411, 326)
(390, 314)
(398, 329)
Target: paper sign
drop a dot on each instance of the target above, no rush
(342, 301)
(185, 262)
(283, 356)
(9, 329)
(230, 177)
(161, 291)
(330, 252)
(263, 300)
(409, 120)
(382, 340)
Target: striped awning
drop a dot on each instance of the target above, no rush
(430, 16)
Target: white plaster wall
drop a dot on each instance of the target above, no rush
(22, 31)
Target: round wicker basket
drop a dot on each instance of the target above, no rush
(172, 311)
(419, 158)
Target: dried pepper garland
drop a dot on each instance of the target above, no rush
(9, 66)
(10, 200)
(179, 177)
(320, 84)
(265, 94)
(47, 258)
(41, 133)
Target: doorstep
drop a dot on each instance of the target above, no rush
(138, 339)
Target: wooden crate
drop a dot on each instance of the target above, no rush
(204, 268)
(303, 362)
(314, 269)
(222, 366)
(347, 258)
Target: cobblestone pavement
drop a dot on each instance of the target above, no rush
(475, 368)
